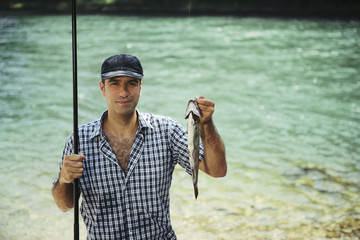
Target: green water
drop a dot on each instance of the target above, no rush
(287, 107)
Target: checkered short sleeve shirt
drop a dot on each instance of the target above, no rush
(135, 205)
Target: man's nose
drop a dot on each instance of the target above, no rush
(123, 91)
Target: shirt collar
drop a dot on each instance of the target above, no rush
(143, 125)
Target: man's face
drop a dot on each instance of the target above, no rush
(122, 94)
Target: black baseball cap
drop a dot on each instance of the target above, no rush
(121, 65)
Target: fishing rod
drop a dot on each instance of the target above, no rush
(76, 192)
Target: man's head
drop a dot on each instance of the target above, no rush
(121, 65)
(121, 83)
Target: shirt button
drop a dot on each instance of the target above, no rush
(130, 233)
(128, 210)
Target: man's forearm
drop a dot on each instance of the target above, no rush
(215, 160)
(63, 195)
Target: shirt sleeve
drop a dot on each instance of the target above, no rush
(178, 140)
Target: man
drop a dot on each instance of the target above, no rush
(127, 159)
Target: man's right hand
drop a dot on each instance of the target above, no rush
(72, 168)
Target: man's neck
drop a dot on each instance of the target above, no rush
(121, 126)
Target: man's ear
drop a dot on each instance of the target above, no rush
(140, 88)
(102, 87)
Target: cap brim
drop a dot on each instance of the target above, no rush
(121, 73)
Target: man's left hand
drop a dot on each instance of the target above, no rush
(207, 108)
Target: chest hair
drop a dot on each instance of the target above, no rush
(122, 150)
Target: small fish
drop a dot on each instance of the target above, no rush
(193, 115)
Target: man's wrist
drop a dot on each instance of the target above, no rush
(207, 124)
(61, 181)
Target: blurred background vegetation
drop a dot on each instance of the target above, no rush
(327, 8)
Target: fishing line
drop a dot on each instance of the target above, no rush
(189, 7)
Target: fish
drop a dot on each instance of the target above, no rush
(193, 115)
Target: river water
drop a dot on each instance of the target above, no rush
(287, 107)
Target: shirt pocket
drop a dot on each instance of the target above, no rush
(150, 224)
(108, 203)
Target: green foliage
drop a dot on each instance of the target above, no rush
(175, 5)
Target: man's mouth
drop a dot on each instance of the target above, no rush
(127, 101)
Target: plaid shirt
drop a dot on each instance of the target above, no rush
(135, 205)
